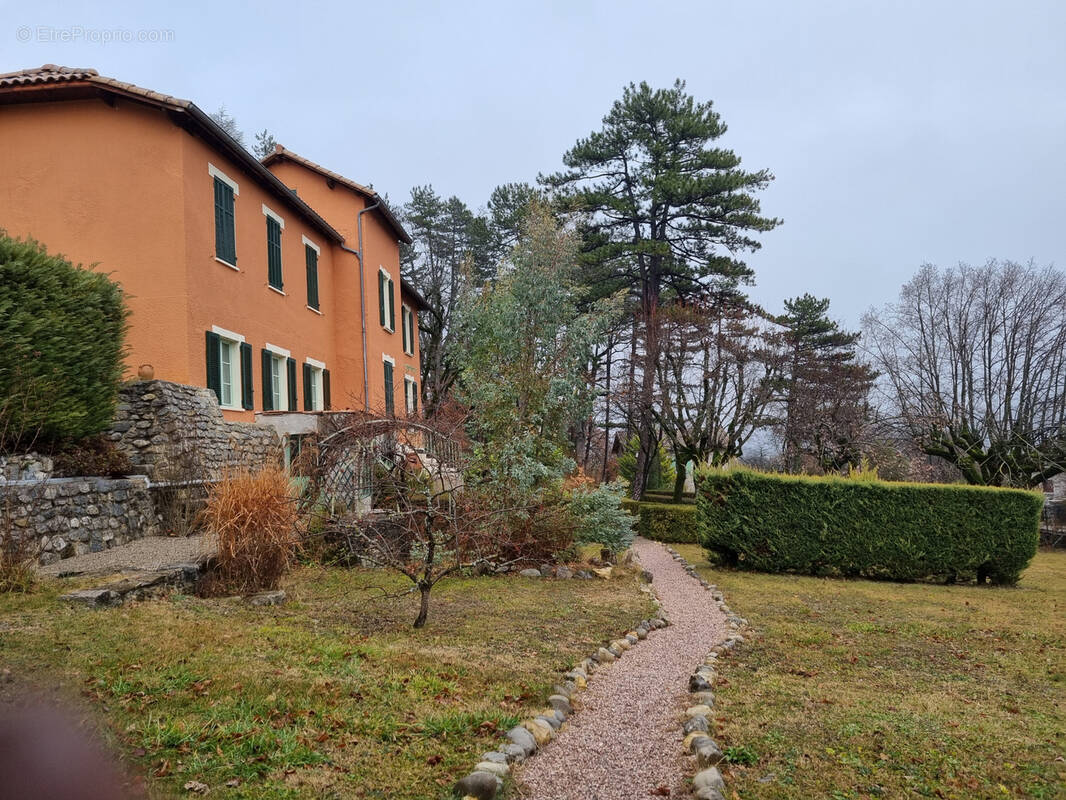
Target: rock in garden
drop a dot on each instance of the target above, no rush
(707, 793)
(696, 724)
(566, 691)
(703, 698)
(615, 650)
(646, 576)
(542, 732)
(275, 598)
(481, 785)
(641, 633)
(523, 738)
(493, 768)
(709, 778)
(603, 572)
(561, 703)
(514, 752)
(697, 683)
(707, 753)
(632, 638)
(698, 711)
(495, 756)
(550, 720)
(94, 598)
(605, 656)
(563, 572)
(530, 573)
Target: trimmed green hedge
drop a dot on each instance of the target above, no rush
(668, 497)
(664, 522)
(871, 529)
(62, 331)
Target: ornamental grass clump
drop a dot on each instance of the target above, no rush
(253, 518)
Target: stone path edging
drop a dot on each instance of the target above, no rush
(486, 781)
(708, 783)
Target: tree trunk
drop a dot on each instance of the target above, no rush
(647, 396)
(680, 464)
(423, 607)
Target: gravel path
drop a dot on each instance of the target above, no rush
(149, 553)
(624, 741)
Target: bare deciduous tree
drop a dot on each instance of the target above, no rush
(719, 374)
(391, 492)
(974, 364)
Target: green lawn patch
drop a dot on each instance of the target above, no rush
(862, 689)
(331, 695)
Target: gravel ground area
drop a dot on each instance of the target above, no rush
(149, 553)
(624, 741)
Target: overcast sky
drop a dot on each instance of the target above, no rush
(899, 132)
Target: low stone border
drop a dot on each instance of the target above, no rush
(698, 726)
(486, 781)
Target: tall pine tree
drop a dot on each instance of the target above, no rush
(826, 389)
(664, 212)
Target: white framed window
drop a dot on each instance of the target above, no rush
(410, 395)
(315, 389)
(386, 300)
(407, 326)
(226, 377)
(279, 377)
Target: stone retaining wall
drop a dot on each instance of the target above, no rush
(61, 517)
(174, 432)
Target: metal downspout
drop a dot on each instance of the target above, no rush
(362, 299)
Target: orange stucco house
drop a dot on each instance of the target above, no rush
(275, 283)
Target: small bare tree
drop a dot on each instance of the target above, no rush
(392, 493)
(974, 365)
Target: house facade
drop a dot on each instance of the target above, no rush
(276, 284)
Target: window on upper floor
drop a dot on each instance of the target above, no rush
(229, 369)
(311, 252)
(274, 226)
(386, 304)
(407, 326)
(226, 190)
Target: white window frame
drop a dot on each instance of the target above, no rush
(318, 386)
(408, 393)
(407, 327)
(215, 172)
(390, 312)
(274, 215)
(318, 250)
(278, 361)
(234, 341)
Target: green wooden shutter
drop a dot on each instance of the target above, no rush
(403, 326)
(291, 364)
(309, 399)
(390, 391)
(312, 276)
(392, 305)
(268, 387)
(225, 237)
(247, 392)
(414, 398)
(381, 297)
(325, 390)
(274, 253)
(214, 364)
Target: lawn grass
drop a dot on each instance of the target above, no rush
(330, 695)
(861, 689)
